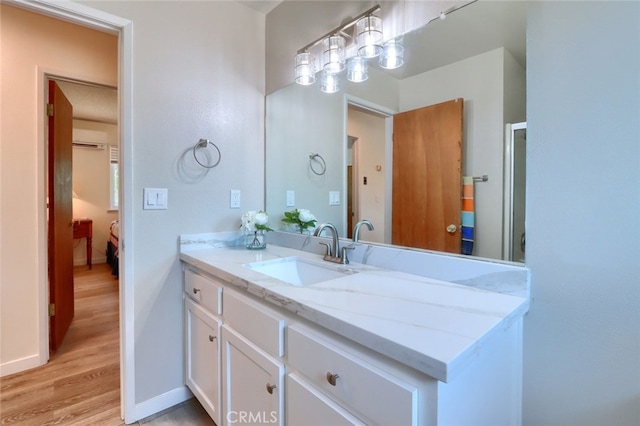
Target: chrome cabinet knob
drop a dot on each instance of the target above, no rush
(332, 378)
(452, 228)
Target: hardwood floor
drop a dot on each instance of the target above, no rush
(80, 385)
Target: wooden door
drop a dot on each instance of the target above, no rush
(427, 174)
(60, 222)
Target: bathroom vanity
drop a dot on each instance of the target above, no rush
(279, 336)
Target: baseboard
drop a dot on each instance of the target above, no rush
(94, 261)
(162, 402)
(20, 365)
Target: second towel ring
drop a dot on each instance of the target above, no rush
(203, 143)
(317, 158)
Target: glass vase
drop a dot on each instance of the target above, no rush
(255, 240)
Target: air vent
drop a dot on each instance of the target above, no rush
(89, 145)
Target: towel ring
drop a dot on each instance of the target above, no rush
(318, 158)
(203, 143)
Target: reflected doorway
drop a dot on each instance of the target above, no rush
(514, 244)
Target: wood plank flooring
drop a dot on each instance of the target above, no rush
(80, 385)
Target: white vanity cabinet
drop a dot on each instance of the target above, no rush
(249, 361)
(253, 382)
(253, 371)
(202, 340)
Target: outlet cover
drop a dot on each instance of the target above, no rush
(234, 199)
(334, 198)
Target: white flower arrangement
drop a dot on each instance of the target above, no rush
(253, 221)
(301, 217)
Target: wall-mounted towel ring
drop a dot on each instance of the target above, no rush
(319, 169)
(204, 143)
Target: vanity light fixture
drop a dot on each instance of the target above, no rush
(369, 36)
(305, 71)
(392, 56)
(333, 54)
(329, 82)
(357, 69)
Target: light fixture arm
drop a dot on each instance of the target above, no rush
(340, 29)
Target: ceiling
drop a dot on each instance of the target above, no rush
(477, 28)
(91, 102)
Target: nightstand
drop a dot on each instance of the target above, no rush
(83, 228)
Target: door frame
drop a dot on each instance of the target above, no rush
(509, 185)
(123, 28)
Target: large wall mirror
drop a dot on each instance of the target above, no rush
(332, 153)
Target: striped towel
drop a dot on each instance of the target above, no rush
(468, 215)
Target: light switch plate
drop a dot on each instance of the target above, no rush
(291, 198)
(155, 199)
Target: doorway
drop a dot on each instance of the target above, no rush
(515, 167)
(123, 29)
(81, 216)
(368, 170)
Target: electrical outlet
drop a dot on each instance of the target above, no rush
(291, 198)
(234, 199)
(334, 198)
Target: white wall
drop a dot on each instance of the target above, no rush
(189, 82)
(582, 334)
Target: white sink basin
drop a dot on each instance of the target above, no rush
(297, 271)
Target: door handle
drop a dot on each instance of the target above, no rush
(452, 228)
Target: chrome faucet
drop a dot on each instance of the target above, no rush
(333, 253)
(356, 231)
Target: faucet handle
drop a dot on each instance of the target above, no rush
(328, 246)
(345, 258)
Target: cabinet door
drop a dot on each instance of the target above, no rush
(307, 406)
(253, 382)
(203, 357)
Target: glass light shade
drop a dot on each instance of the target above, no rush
(392, 55)
(357, 69)
(333, 53)
(369, 36)
(329, 82)
(305, 71)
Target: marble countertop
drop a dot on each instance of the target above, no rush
(431, 325)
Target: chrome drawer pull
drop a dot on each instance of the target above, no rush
(331, 378)
(196, 290)
(270, 388)
(212, 338)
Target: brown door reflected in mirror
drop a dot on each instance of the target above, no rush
(427, 161)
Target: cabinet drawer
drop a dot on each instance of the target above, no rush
(310, 407)
(203, 290)
(370, 392)
(257, 323)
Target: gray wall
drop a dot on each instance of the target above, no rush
(582, 334)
